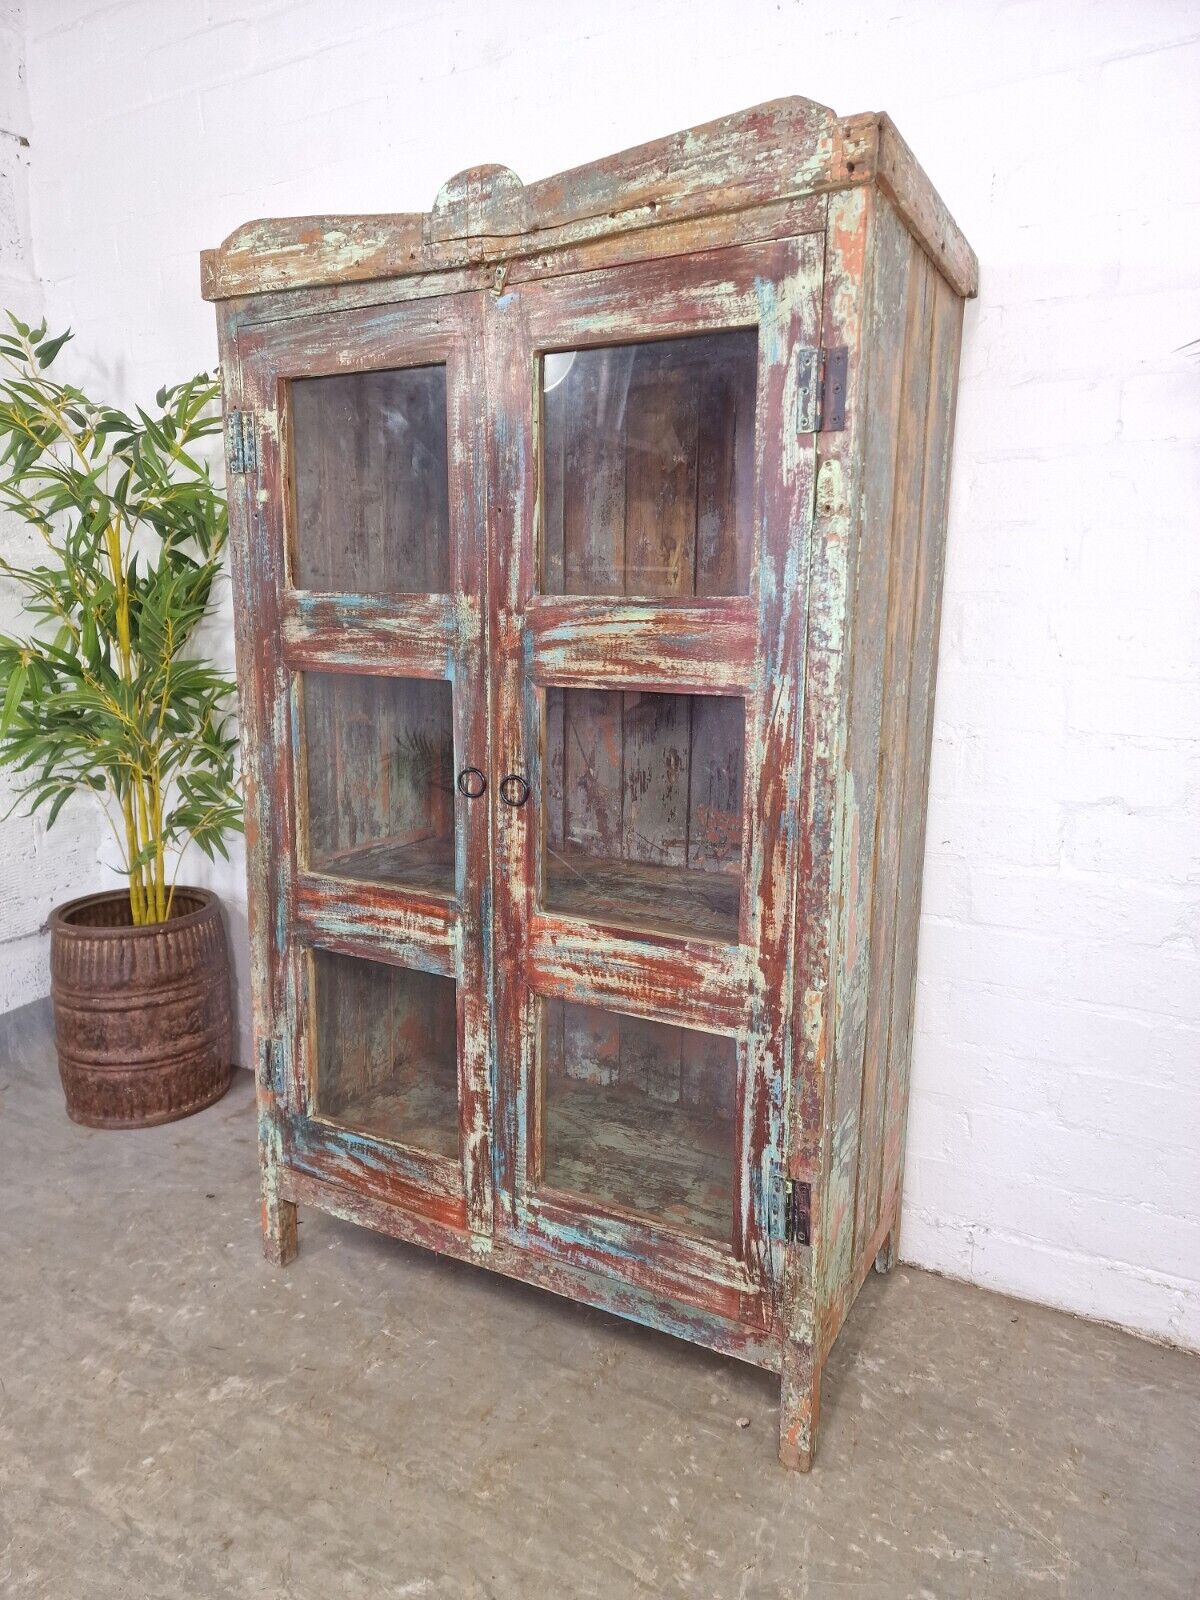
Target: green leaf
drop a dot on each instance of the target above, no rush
(46, 352)
(83, 704)
(12, 698)
(60, 801)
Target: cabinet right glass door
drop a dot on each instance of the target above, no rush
(646, 695)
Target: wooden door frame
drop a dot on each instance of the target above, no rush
(758, 652)
(283, 631)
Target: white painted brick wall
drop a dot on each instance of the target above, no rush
(37, 869)
(1054, 1143)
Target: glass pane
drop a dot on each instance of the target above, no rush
(387, 1051)
(639, 1115)
(643, 809)
(370, 487)
(378, 761)
(648, 457)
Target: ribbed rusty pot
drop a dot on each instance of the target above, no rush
(141, 1015)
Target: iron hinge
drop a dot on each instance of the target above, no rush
(821, 390)
(241, 451)
(797, 1211)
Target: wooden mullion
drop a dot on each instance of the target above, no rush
(393, 1174)
(691, 646)
(512, 468)
(393, 636)
(381, 923)
(678, 981)
(467, 411)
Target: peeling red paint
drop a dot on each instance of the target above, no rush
(814, 232)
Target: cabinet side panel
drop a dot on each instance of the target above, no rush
(889, 261)
(832, 562)
(891, 816)
(945, 340)
(891, 706)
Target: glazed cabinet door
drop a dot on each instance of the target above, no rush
(649, 524)
(365, 582)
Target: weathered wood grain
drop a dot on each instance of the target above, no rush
(276, 992)
(889, 265)
(618, 1130)
(786, 149)
(891, 561)
(702, 646)
(903, 541)
(595, 1285)
(389, 923)
(693, 1269)
(830, 580)
(946, 334)
(691, 902)
(684, 969)
(367, 634)
(773, 220)
(370, 482)
(416, 1181)
(655, 976)
(390, 815)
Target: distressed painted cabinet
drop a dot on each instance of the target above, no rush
(587, 546)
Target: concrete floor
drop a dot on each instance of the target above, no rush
(179, 1419)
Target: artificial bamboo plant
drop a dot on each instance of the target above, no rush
(101, 694)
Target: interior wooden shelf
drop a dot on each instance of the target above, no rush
(618, 1146)
(421, 1113)
(676, 900)
(609, 1144)
(427, 866)
(684, 901)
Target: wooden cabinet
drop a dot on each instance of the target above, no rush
(587, 553)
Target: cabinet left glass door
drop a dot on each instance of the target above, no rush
(366, 580)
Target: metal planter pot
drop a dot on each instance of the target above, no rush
(142, 1016)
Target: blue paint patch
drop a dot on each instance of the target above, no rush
(771, 322)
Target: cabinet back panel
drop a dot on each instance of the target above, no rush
(643, 809)
(640, 1114)
(648, 462)
(370, 484)
(386, 1051)
(378, 763)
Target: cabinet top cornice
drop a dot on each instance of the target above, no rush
(782, 150)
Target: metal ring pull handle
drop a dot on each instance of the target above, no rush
(471, 782)
(514, 789)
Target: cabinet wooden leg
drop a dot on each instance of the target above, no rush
(885, 1260)
(280, 1239)
(799, 1406)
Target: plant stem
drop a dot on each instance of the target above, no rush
(143, 834)
(160, 890)
(137, 894)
